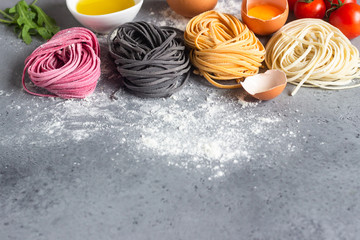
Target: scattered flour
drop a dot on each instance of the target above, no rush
(199, 128)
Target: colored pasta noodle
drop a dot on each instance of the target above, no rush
(150, 59)
(223, 48)
(68, 65)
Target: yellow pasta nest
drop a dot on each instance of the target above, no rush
(222, 48)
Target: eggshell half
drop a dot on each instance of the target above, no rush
(265, 86)
(191, 8)
(264, 27)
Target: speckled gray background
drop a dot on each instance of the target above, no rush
(87, 169)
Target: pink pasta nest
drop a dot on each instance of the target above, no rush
(67, 66)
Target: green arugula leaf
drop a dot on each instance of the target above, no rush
(25, 20)
(44, 33)
(29, 20)
(25, 35)
(25, 15)
(49, 23)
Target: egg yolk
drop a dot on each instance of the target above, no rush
(264, 12)
(100, 7)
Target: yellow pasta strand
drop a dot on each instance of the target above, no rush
(222, 48)
(313, 53)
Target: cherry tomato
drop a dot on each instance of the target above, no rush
(347, 19)
(338, 3)
(291, 4)
(310, 9)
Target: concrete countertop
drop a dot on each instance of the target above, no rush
(204, 164)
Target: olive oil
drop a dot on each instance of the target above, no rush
(100, 7)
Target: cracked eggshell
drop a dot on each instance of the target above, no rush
(265, 86)
(264, 27)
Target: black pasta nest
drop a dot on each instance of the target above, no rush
(151, 60)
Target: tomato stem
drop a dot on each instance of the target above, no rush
(334, 6)
(306, 1)
(337, 5)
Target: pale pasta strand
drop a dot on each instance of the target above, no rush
(313, 53)
(222, 48)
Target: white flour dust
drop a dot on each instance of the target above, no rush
(212, 134)
(197, 128)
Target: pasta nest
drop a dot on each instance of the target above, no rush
(223, 48)
(313, 53)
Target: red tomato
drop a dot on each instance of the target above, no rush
(347, 19)
(310, 9)
(291, 4)
(337, 2)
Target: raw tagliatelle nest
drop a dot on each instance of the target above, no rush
(150, 59)
(313, 53)
(222, 48)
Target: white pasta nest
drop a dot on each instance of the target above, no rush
(313, 53)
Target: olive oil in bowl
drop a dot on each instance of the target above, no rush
(101, 7)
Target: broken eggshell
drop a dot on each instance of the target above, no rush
(265, 86)
(264, 27)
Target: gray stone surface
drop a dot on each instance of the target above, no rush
(203, 164)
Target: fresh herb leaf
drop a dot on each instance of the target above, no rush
(29, 20)
(25, 20)
(25, 35)
(49, 25)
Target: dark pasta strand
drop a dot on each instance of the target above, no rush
(151, 60)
